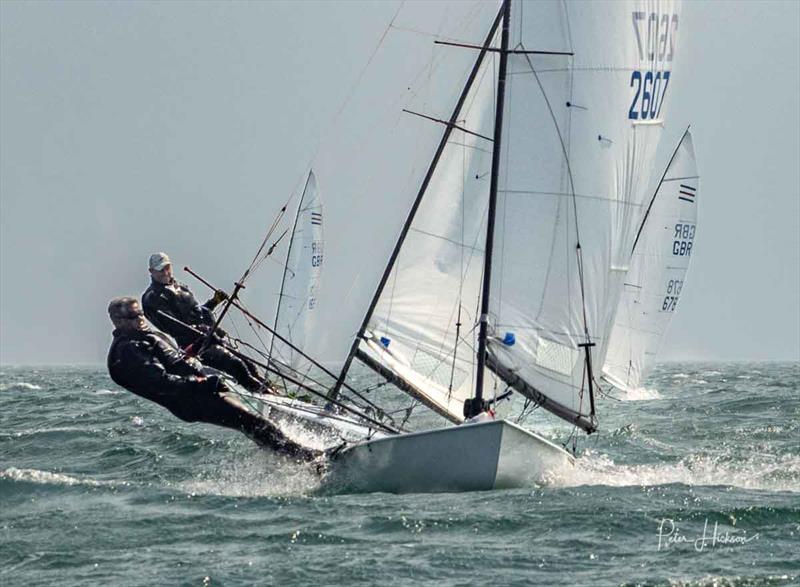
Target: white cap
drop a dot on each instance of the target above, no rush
(158, 261)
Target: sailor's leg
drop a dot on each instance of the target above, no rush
(251, 368)
(222, 359)
(218, 411)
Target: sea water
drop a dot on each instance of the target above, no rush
(694, 479)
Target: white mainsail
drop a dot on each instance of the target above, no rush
(295, 319)
(580, 134)
(657, 273)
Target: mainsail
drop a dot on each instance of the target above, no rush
(657, 273)
(578, 143)
(295, 318)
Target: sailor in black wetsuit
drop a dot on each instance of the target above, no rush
(167, 295)
(148, 364)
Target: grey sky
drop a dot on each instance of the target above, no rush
(127, 128)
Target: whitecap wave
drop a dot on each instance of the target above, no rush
(264, 475)
(18, 385)
(35, 431)
(106, 392)
(776, 473)
(50, 478)
(639, 394)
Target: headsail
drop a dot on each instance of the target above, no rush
(295, 316)
(658, 269)
(421, 333)
(580, 132)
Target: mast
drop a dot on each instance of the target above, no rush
(451, 124)
(475, 407)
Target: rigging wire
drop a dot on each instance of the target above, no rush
(409, 411)
(528, 408)
(461, 271)
(305, 378)
(240, 306)
(371, 388)
(372, 55)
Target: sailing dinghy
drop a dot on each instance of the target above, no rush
(661, 255)
(510, 269)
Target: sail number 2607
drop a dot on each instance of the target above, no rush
(655, 39)
(649, 94)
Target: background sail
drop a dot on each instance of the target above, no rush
(296, 315)
(579, 138)
(435, 282)
(657, 273)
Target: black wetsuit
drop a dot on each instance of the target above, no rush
(177, 300)
(147, 364)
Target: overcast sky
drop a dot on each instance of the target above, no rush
(127, 128)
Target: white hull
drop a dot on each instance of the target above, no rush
(470, 457)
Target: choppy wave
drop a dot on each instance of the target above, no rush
(50, 478)
(781, 473)
(255, 477)
(36, 431)
(261, 475)
(126, 472)
(640, 394)
(104, 391)
(18, 386)
(735, 581)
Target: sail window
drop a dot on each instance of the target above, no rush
(556, 357)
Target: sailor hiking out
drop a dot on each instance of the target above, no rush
(168, 296)
(147, 364)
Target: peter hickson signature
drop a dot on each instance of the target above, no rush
(669, 535)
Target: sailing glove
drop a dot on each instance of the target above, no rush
(219, 297)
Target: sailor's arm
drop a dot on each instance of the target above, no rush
(149, 373)
(175, 361)
(153, 304)
(218, 297)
